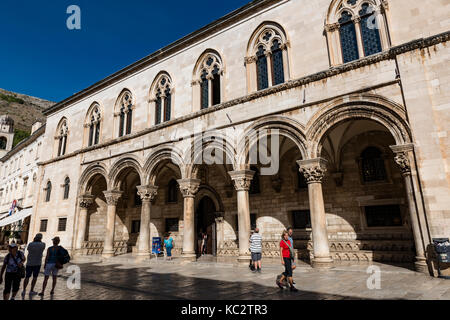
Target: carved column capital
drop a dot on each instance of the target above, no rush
(86, 201)
(147, 193)
(332, 27)
(112, 197)
(242, 179)
(313, 169)
(401, 157)
(189, 187)
(250, 60)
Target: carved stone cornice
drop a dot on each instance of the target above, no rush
(189, 187)
(86, 201)
(147, 193)
(242, 179)
(313, 169)
(112, 197)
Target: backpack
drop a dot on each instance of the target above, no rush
(63, 256)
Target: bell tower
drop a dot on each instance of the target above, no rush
(6, 134)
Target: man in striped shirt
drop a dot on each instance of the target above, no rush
(256, 249)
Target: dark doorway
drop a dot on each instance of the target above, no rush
(205, 222)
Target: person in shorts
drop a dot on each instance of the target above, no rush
(256, 250)
(14, 260)
(50, 266)
(34, 261)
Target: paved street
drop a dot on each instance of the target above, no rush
(124, 279)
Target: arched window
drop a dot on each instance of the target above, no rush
(255, 186)
(172, 191)
(369, 31)
(349, 42)
(66, 187)
(359, 26)
(61, 137)
(372, 165)
(48, 191)
(208, 79)
(261, 65)
(267, 56)
(161, 92)
(125, 113)
(3, 143)
(93, 123)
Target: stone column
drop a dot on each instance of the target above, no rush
(147, 194)
(314, 171)
(269, 67)
(357, 21)
(85, 201)
(242, 180)
(189, 188)
(112, 197)
(402, 158)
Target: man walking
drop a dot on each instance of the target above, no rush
(34, 262)
(256, 249)
(51, 265)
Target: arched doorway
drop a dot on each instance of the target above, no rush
(205, 223)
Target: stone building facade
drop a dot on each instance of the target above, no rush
(348, 98)
(18, 180)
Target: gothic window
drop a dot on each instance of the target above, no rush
(125, 113)
(277, 63)
(372, 164)
(268, 49)
(369, 31)
(359, 26)
(255, 184)
(172, 191)
(94, 126)
(162, 96)
(48, 191)
(61, 137)
(66, 188)
(209, 72)
(349, 42)
(204, 90)
(261, 66)
(3, 143)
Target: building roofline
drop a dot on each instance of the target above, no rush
(24, 143)
(221, 23)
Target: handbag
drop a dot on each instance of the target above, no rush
(20, 270)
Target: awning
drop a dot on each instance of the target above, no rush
(2, 215)
(16, 217)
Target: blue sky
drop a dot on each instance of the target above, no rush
(40, 56)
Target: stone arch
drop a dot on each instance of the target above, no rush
(208, 141)
(159, 157)
(280, 34)
(370, 107)
(203, 57)
(285, 126)
(207, 191)
(88, 174)
(336, 8)
(121, 165)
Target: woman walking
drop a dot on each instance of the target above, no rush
(168, 243)
(13, 264)
(287, 257)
